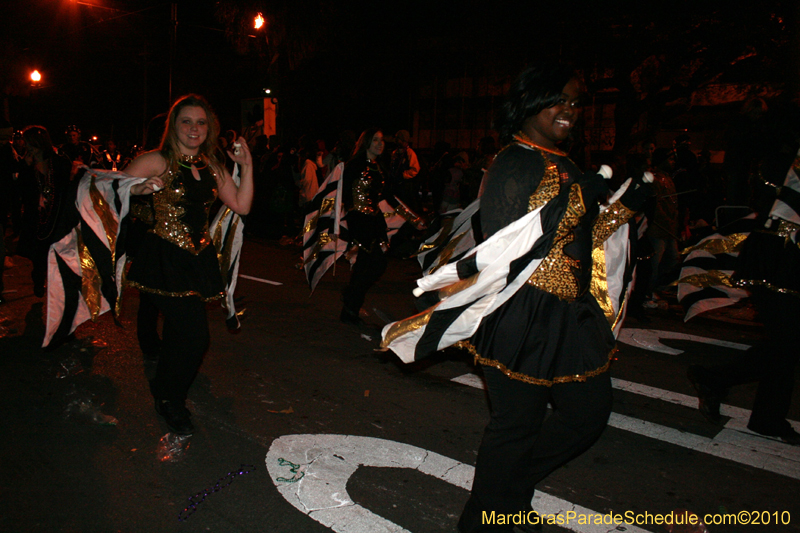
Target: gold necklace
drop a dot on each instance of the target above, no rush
(523, 139)
(189, 161)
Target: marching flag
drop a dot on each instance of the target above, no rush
(323, 242)
(784, 210)
(454, 239)
(85, 268)
(705, 280)
(613, 266)
(470, 289)
(395, 217)
(227, 235)
(324, 230)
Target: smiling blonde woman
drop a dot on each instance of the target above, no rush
(176, 267)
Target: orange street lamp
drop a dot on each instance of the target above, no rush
(259, 22)
(36, 76)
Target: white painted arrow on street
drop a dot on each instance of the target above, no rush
(311, 472)
(649, 339)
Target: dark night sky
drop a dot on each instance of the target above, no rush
(105, 70)
(108, 71)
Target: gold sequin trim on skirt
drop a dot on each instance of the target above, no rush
(174, 294)
(466, 345)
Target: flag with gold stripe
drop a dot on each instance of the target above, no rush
(86, 267)
(227, 233)
(705, 280)
(455, 237)
(323, 242)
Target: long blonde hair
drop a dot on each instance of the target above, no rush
(169, 141)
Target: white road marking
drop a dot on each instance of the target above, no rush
(649, 340)
(322, 465)
(734, 442)
(470, 380)
(311, 471)
(260, 280)
(736, 446)
(675, 397)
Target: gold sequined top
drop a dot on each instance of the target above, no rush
(556, 272)
(368, 189)
(609, 221)
(559, 273)
(181, 208)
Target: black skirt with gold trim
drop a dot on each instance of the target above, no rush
(539, 338)
(163, 268)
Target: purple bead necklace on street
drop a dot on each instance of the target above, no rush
(200, 497)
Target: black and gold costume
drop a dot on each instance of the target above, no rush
(769, 267)
(176, 257)
(552, 330)
(551, 341)
(176, 270)
(364, 187)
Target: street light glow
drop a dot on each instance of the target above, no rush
(36, 76)
(259, 21)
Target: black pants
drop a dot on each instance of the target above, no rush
(771, 363)
(370, 266)
(147, 325)
(521, 447)
(185, 340)
(2, 253)
(39, 271)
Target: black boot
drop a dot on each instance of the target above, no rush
(349, 317)
(709, 396)
(176, 415)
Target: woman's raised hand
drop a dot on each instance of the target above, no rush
(241, 153)
(148, 186)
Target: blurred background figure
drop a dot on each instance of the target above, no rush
(51, 173)
(487, 149)
(307, 180)
(111, 158)
(78, 151)
(7, 170)
(404, 170)
(662, 223)
(452, 195)
(769, 267)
